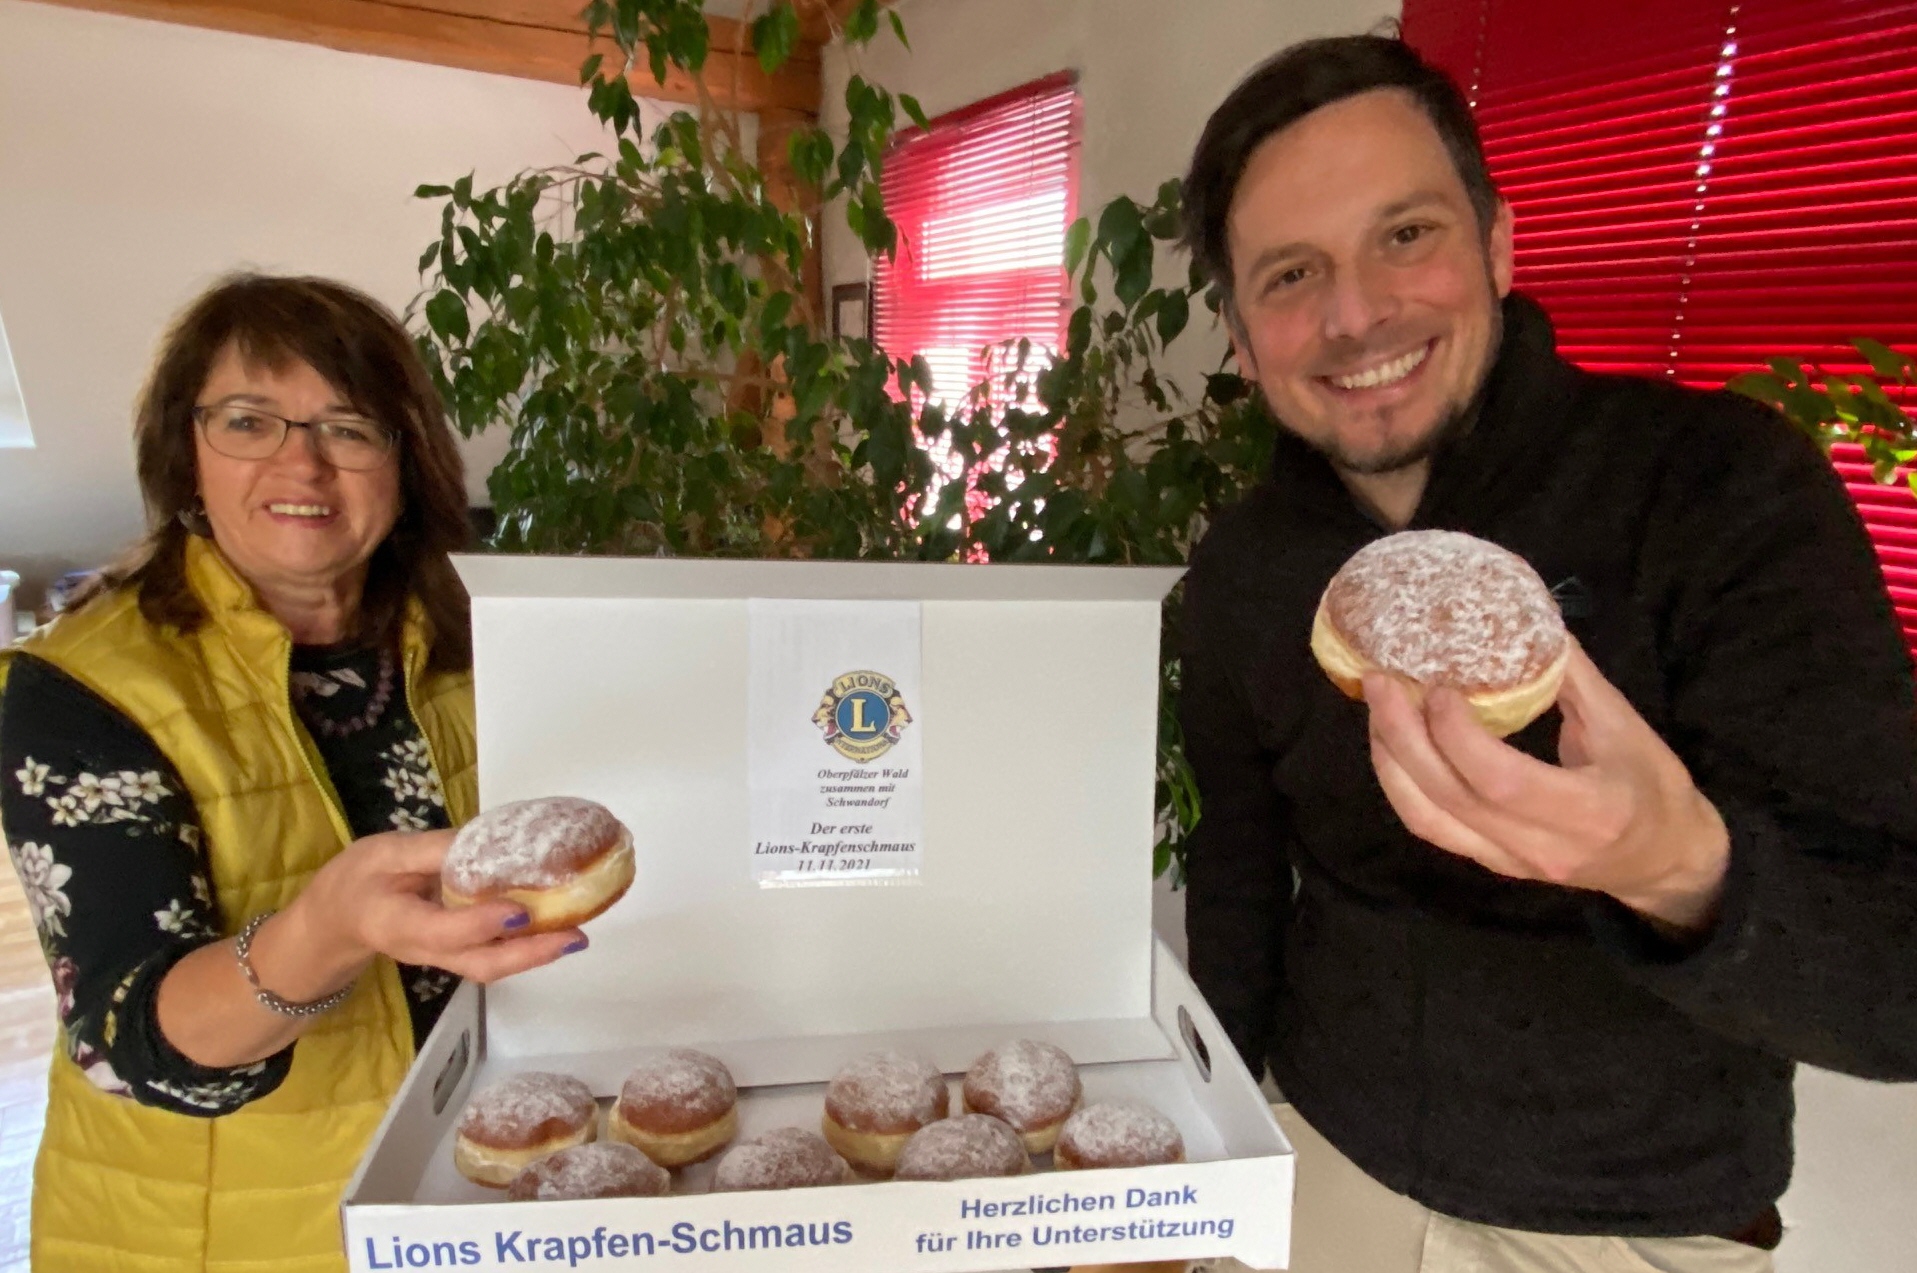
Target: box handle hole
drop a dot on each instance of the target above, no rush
(455, 1069)
(1200, 1054)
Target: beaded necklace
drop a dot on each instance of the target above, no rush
(367, 717)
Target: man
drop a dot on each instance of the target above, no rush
(1554, 985)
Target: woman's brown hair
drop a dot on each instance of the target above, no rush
(361, 349)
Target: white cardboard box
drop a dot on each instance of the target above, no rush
(624, 680)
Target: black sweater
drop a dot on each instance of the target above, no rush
(1524, 1054)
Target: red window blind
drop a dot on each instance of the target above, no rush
(1592, 118)
(1810, 232)
(1702, 185)
(1810, 227)
(982, 200)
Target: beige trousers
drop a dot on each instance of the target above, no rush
(1346, 1222)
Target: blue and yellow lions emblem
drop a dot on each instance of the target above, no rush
(862, 715)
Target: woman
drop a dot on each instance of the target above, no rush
(225, 777)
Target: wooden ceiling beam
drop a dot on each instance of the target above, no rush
(517, 42)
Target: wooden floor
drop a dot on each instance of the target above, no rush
(26, 1039)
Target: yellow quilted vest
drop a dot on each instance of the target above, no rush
(125, 1187)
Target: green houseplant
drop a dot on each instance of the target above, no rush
(637, 320)
(1836, 407)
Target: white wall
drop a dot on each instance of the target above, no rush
(1149, 73)
(139, 160)
(1852, 1205)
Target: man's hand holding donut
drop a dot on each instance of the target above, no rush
(1620, 815)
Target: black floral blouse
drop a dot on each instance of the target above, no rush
(108, 848)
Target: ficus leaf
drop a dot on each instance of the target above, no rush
(1119, 229)
(1173, 313)
(446, 314)
(1077, 240)
(1134, 272)
(1884, 360)
(1760, 385)
(863, 22)
(1079, 332)
(774, 35)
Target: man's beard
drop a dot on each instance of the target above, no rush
(1455, 422)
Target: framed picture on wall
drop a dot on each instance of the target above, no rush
(851, 311)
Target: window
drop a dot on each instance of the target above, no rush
(13, 408)
(1701, 185)
(982, 200)
(1592, 118)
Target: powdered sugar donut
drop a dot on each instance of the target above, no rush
(1439, 608)
(1117, 1134)
(1033, 1086)
(875, 1103)
(565, 860)
(518, 1120)
(602, 1169)
(677, 1107)
(963, 1148)
(788, 1158)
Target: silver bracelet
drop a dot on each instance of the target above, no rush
(243, 949)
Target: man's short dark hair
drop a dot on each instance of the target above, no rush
(1290, 86)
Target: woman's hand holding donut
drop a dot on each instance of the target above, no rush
(1621, 814)
(381, 896)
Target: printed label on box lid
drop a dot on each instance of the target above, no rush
(836, 765)
(1023, 1222)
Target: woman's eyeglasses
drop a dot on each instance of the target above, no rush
(248, 433)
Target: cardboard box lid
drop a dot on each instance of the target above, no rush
(624, 680)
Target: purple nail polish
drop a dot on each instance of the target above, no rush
(517, 921)
(575, 947)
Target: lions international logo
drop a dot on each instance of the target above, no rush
(862, 715)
